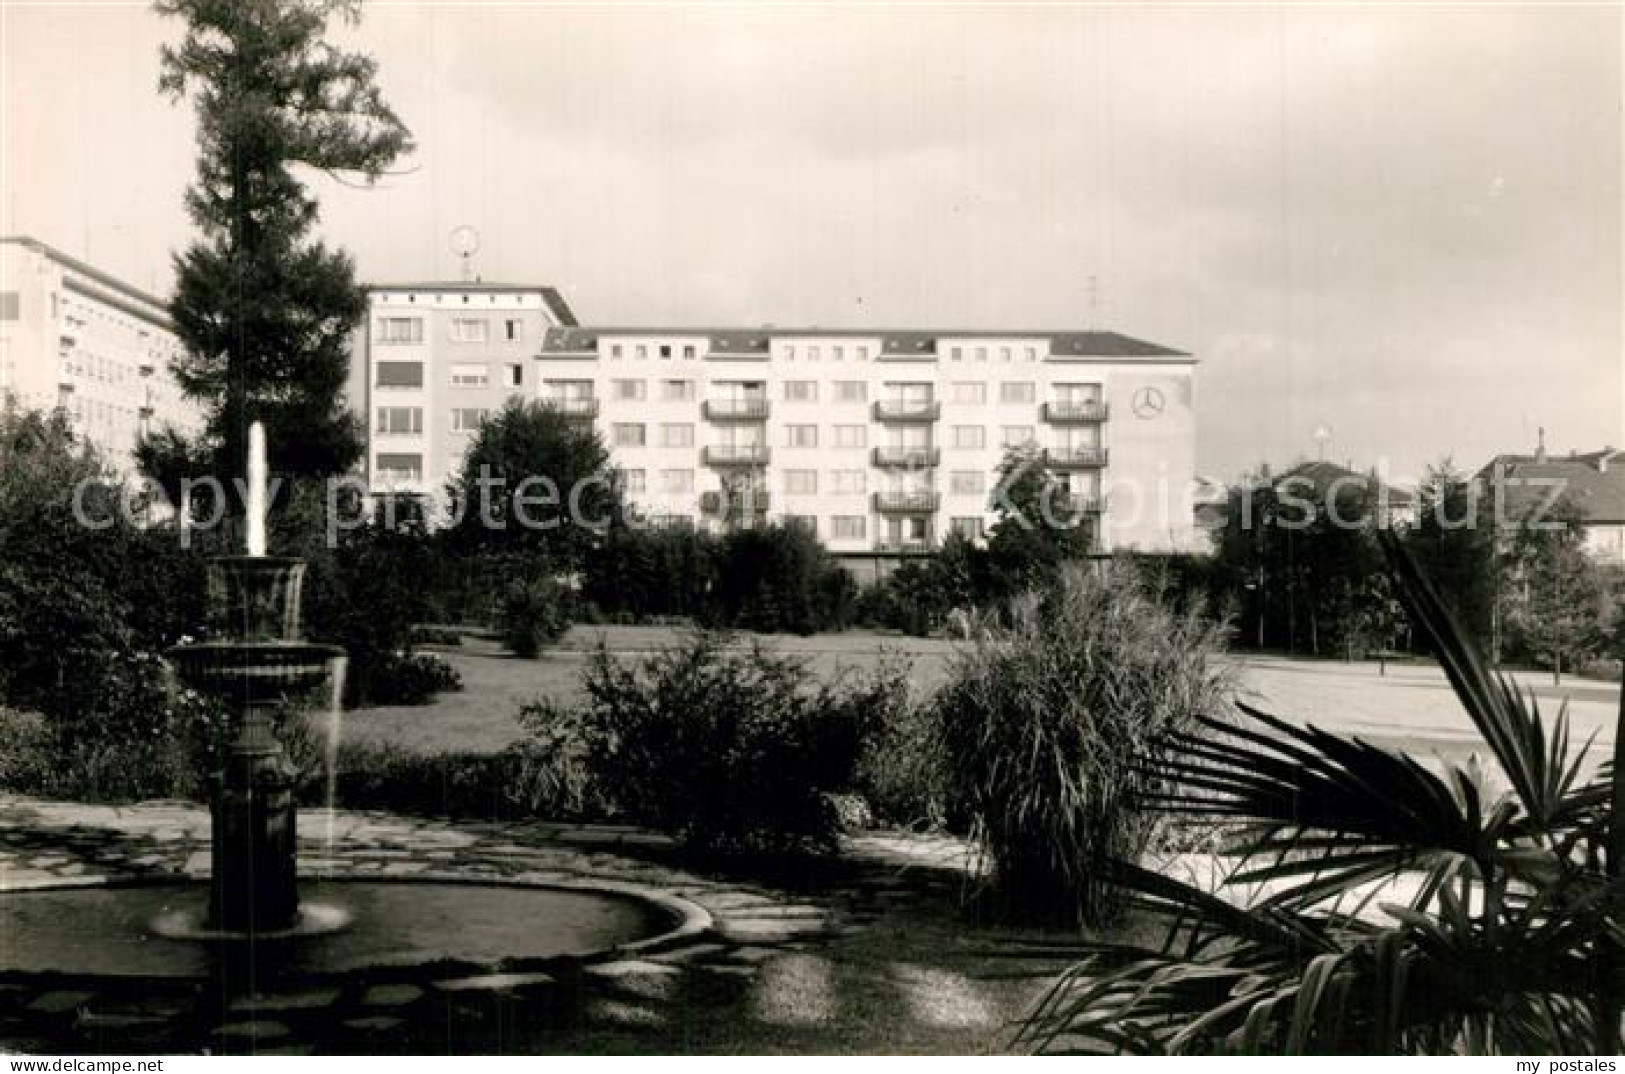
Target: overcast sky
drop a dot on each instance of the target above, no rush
(1401, 224)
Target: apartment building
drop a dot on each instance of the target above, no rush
(432, 361)
(883, 441)
(74, 337)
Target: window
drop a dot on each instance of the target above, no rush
(400, 419)
(801, 391)
(616, 350)
(642, 350)
(1032, 354)
(1004, 354)
(1016, 435)
(956, 353)
(805, 523)
(9, 302)
(836, 353)
(467, 419)
(688, 350)
(846, 527)
(1016, 391)
(665, 350)
(399, 467)
(968, 392)
(851, 436)
(848, 482)
(469, 330)
(969, 526)
(967, 482)
(851, 391)
(676, 482)
(628, 434)
(678, 435)
(400, 330)
(513, 329)
(801, 482)
(812, 353)
(400, 374)
(803, 436)
(467, 375)
(516, 375)
(677, 391)
(789, 352)
(969, 436)
(636, 481)
(628, 389)
(981, 354)
(862, 354)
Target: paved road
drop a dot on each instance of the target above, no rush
(1411, 706)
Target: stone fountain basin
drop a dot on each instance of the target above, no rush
(437, 924)
(257, 670)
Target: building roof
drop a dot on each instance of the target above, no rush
(1323, 476)
(1594, 482)
(894, 343)
(90, 272)
(551, 297)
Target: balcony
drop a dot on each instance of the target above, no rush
(584, 409)
(1081, 413)
(903, 546)
(1075, 458)
(913, 501)
(906, 458)
(737, 455)
(735, 409)
(750, 500)
(1078, 504)
(907, 410)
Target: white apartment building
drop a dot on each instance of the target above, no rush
(878, 441)
(432, 361)
(74, 337)
(882, 441)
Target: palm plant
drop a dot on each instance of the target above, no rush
(1510, 938)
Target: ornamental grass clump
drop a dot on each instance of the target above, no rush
(1047, 719)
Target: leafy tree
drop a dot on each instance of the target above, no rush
(1037, 530)
(778, 578)
(1454, 543)
(265, 313)
(1555, 602)
(536, 483)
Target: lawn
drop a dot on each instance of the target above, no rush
(1409, 707)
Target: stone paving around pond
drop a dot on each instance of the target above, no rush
(765, 953)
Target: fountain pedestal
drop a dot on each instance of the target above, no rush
(261, 666)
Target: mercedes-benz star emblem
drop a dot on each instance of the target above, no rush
(1147, 403)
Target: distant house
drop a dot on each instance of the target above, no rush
(1593, 484)
(1320, 482)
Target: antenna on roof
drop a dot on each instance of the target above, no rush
(1323, 436)
(465, 243)
(1540, 444)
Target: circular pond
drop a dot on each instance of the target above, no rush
(110, 931)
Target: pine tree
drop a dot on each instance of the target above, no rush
(266, 312)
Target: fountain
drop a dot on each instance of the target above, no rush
(255, 936)
(258, 666)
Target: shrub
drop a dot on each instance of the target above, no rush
(532, 616)
(413, 679)
(527, 781)
(425, 635)
(900, 773)
(734, 752)
(777, 579)
(1045, 721)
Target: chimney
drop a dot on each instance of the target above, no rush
(1603, 458)
(1540, 445)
